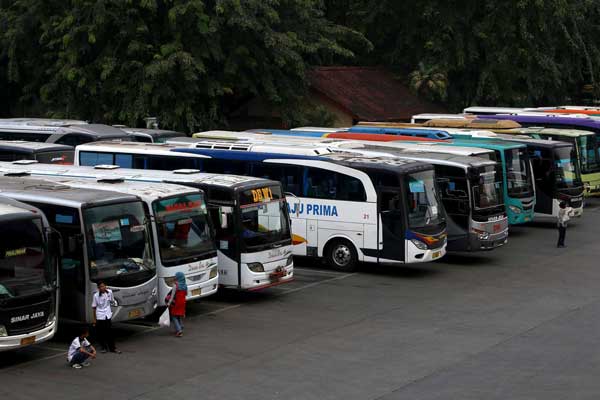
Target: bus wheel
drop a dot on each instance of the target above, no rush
(341, 255)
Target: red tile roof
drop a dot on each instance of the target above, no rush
(369, 93)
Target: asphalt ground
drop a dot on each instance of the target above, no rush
(520, 322)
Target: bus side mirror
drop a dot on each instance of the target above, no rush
(55, 242)
(223, 216)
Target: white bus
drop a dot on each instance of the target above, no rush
(345, 208)
(29, 257)
(105, 238)
(261, 259)
(181, 230)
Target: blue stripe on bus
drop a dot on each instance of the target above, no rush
(244, 155)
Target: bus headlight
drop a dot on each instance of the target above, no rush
(515, 209)
(481, 235)
(420, 245)
(213, 273)
(169, 280)
(256, 267)
(3, 331)
(290, 260)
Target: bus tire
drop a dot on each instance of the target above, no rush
(341, 255)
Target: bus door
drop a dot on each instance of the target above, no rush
(72, 268)
(541, 161)
(391, 224)
(228, 248)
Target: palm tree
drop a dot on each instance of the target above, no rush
(429, 82)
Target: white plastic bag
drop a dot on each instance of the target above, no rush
(165, 319)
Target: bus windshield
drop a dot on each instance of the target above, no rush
(518, 173)
(184, 233)
(487, 192)
(117, 241)
(23, 269)
(588, 151)
(264, 216)
(565, 169)
(423, 204)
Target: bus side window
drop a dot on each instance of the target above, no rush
(350, 188)
(320, 183)
(124, 160)
(289, 176)
(11, 156)
(90, 158)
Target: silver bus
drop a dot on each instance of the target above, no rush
(29, 256)
(105, 238)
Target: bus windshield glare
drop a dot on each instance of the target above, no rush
(588, 149)
(117, 240)
(423, 204)
(565, 169)
(23, 267)
(518, 176)
(263, 216)
(183, 229)
(487, 193)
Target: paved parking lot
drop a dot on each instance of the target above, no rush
(517, 323)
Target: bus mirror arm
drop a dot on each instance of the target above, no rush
(296, 203)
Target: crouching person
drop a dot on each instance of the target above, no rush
(81, 351)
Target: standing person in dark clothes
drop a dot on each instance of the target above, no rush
(176, 303)
(101, 303)
(564, 215)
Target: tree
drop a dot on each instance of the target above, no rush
(185, 61)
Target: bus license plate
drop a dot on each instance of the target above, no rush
(436, 254)
(135, 313)
(197, 292)
(28, 340)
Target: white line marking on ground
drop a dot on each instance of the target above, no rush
(337, 278)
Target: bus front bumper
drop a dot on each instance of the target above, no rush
(19, 341)
(202, 289)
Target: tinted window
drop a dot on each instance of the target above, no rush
(12, 156)
(165, 163)
(124, 160)
(323, 184)
(235, 167)
(289, 176)
(90, 158)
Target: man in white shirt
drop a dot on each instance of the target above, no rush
(101, 303)
(80, 351)
(564, 215)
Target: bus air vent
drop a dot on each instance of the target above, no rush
(186, 171)
(25, 162)
(110, 180)
(18, 173)
(106, 166)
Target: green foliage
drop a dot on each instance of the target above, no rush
(188, 62)
(524, 52)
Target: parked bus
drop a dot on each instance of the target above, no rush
(180, 227)
(557, 176)
(344, 208)
(29, 257)
(104, 237)
(67, 132)
(252, 263)
(585, 144)
(45, 153)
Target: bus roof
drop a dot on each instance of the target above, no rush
(471, 123)
(49, 126)
(433, 147)
(40, 190)
(492, 110)
(532, 141)
(22, 146)
(184, 176)
(495, 144)
(436, 157)
(551, 131)
(558, 119)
